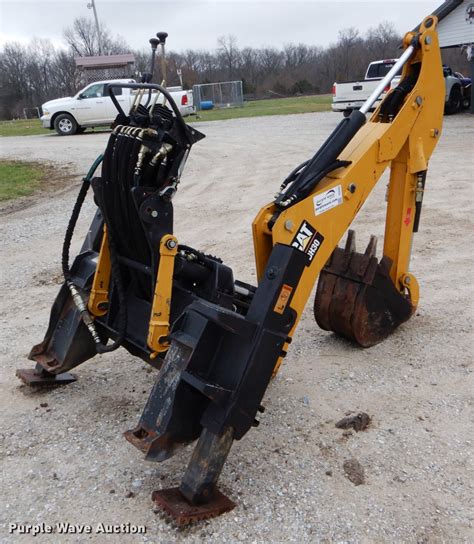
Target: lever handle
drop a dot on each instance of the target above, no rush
(162, 36)
(154, 43)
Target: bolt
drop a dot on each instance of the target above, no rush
(352, 188)
(407, 280)
(419, 100)
(171, 244)
(154, 213)
(289, 225)
(271, 273)
(434, 132)
(428, 40)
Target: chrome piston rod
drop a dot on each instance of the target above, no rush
(367, 105)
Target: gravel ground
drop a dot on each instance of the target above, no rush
(63, 458)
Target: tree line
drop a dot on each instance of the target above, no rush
(31, 75)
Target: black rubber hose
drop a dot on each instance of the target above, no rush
(115, 265)
(326, 156)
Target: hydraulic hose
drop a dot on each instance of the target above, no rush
(76, 296)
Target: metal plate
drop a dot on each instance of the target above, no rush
(183, 512)
(32, 377)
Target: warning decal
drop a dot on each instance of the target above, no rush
(283, 298)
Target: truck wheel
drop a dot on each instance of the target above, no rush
(453, 105)
(346, 113)
(65, 124)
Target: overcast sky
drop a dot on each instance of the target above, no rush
(196, 24)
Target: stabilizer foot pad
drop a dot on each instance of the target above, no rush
(183, 512)
(32, 377)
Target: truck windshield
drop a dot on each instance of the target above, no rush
(380, 70)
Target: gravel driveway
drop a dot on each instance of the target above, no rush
(63, 458)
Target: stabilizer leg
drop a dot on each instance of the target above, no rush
(67, 344)
(162, 430)
(197, 497)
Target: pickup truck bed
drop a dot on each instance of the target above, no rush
(350, 95)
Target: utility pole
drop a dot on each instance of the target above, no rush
(91, 5)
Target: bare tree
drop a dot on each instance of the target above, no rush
(83, 40)
(28, 80)
(383, 40)
(228, 53)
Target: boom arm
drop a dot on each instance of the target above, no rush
(404, 143)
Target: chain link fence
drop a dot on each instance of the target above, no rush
(226, 94)
(32, 113)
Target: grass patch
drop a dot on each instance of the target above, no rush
(19, 179)
(255, 108)
(22, 127)
(274, 106)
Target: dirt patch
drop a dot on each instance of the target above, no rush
(48, 277)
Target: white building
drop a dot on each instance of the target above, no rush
(456, 29)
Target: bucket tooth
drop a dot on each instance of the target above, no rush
(371, 249)
(350, 246)
(356, 297)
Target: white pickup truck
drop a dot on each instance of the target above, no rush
(351, 95)
(91, 107)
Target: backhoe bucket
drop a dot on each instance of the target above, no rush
(356, 297)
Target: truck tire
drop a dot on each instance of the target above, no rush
(346, 113)
(453, 105)
(65, 125)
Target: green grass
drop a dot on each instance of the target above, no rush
(274, 106)
(19, 179)
(22, 127)
(256, 108)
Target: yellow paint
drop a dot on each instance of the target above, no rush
(99, 295)
(405, 145)
(159, 326)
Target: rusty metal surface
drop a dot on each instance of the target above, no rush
(38, 378)
(182, 512)
(356, 297)
(140, 437)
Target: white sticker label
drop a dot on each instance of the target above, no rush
(327, 200)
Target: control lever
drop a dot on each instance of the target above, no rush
(162, 37)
